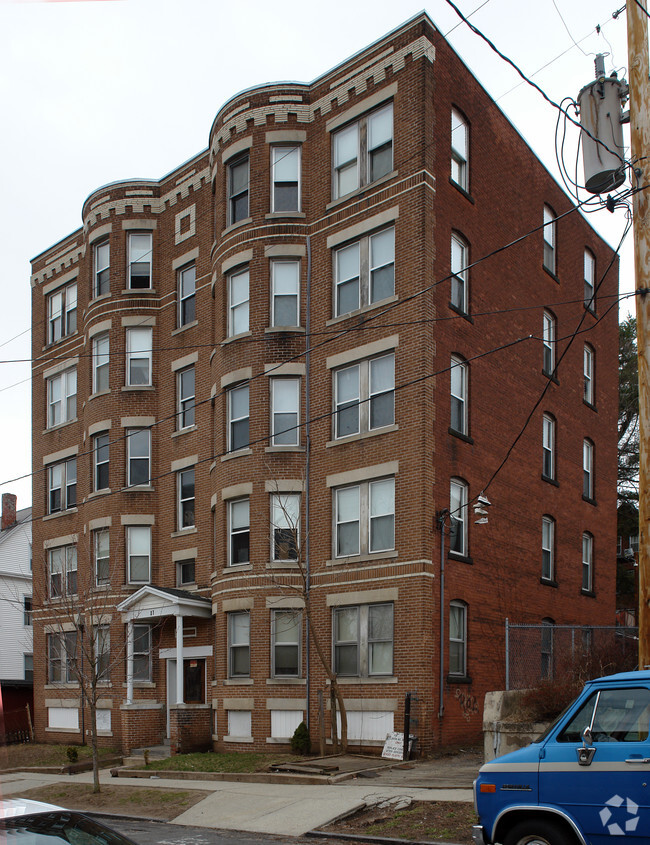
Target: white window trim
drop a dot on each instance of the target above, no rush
(129, 531)
(459, 491)
(459, 397)
(287, 148)
(462, 606)
(364, 520)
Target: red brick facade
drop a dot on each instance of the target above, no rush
(374, 560)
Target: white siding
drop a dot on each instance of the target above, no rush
(63, 717)
(284, 723)
(15, 583)
(239, 723)
(369, 724)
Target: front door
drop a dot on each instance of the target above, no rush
(609, 795)
(194, 681)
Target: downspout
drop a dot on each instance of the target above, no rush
(441, 523)
(307, 464)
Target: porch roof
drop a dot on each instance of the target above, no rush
(152, 602)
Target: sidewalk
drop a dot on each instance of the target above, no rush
(278, 808)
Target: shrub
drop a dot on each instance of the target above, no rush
(72, 754)
(300, 741)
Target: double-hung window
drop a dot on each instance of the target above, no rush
(138, 356)
(101, 461)
(459, 278)
(238, 302)
(186, 571)
(138, 545)
(548, 447)
(285, 183)
(102, 550)
(590, 281)
(285, 404)
(588, 372)
(186, 398)
(62, 313)
(458, 504)
(27, 611)
(285, 526)
(549, 240)
(186, 498)
(458, 390)
(365, 518)
(142, 653)
(587, 562)
(363, 640)
(459, 150)
(102, 649)
(61, 398)
(548, 337)
(238, 417)
(62, 567)
(138, 444)
(140, 251)
(239, 530)
(238, 186)
(588, 469)
(364, 396)
(363, 151)
(61, 657)
(364, 272)
(285, 284)
(62, 486)
(101, 268)
(101, 362)
(239, 645)
(286, 636)
(458, 638)
(548, 548)
(187, 295)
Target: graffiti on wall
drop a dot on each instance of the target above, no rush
(468, 704)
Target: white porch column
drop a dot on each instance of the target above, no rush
(129, 662)
(179, 659)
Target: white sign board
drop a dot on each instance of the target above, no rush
(394, 746)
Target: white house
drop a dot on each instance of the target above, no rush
(16, 654)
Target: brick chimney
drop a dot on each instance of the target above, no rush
(8, 510)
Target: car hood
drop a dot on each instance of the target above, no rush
(10, 807)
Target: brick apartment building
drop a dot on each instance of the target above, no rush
(275, 362)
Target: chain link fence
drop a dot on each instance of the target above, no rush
(544, 652)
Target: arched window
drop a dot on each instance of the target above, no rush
(549, 335)
(459, 150)
(458, 390)
(458, 638)
(548, 548)
(458, 516)
(549, 239)
(459, 281)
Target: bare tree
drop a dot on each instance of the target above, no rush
(73, 606)
(289, 544)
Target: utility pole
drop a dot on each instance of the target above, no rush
(639, 82)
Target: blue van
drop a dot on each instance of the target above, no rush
(585, 781)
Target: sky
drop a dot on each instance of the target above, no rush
(94, 91)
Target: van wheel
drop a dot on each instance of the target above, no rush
(537, 832)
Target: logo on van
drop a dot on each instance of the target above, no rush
(630, 823)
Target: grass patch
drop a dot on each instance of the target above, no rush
(210, 761)
(41, 754)
(158, 803)
(441, 821)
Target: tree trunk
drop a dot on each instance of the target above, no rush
(92, 701)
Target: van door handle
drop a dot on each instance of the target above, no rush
(638, 759)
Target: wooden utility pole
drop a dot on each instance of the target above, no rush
(637, 48)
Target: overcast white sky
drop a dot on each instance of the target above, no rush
(98, 90)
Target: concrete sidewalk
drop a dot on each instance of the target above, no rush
(290, 809)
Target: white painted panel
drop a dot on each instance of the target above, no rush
(103, 720)
(239, 723)
(371, 724)
(63, 717)
(284, 723)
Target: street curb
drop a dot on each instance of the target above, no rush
(377, 840)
